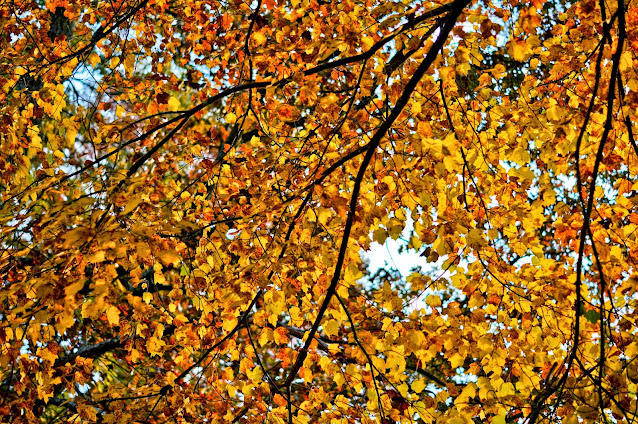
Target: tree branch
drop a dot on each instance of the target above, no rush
(456, 9)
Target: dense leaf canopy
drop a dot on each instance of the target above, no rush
(188, 186)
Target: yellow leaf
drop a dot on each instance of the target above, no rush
(179, 320)
(76, 236)
(70, 135)
(506, 389)
(418, 386)
(324, 215)
(571, 419)
(433, 301)
(173, 104)
(131, 205)
(96, 257)
(456, 360)
(142, 249)
(331, 98)
(153, 345)
(64, 321)
(169, 257)
(331, 328)
(626, 61)
(521, 156)
(229, 323)
(368, 42)
(87, 412)
(94, 59)
(518, 49)
(265, 336)
(499, 419)
(129, 64)
(280, 335)
(380, 235)
(93, 309)
(113, 315)
(422, 411)
(475, 239)
(255, 374)
(395, 229)
(306, 374)
(259, 38)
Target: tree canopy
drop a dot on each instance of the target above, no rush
(188, 187)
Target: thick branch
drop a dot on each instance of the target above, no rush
(91, 351)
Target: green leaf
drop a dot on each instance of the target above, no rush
(592, 316)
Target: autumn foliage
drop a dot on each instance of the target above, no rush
(187, 187)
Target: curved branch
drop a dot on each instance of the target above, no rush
(456, 9)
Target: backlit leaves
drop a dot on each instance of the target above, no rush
(187, 188)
